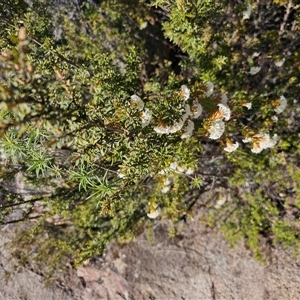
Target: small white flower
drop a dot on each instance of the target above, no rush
(247, 12)
(248, 105)
(154, 214)
(196, 110)
(220, 202)
(210, 88)
(121, 175)
(216, 129)
(162, 129)
(279, 63)
(224, 99)
(247, 140)
(146, 117)
(180, 169)
(165, 189)
(185, 91)
(188, 130)
(281, 105)
(230, 147)
(263, 141)
(254, 70)
(137, 102)
(154, 211)
(189, 171)
(174, 165)
(176, 126)
(166, 186)
(256, 54)
(275, 119)
(187, 112)
(167, 181)
(225, 110)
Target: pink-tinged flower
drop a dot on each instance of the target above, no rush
(280, 105)
(216, 129)
(231, 147)
(185, 92)
(254, 70)
(137, 102)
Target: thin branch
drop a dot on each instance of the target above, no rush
(287, 13)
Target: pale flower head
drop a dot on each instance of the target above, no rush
(225, 111)
(231, 147)
(189, 171)
(248, 105)
(154, 211)
(162, 129)
(146, 117)
(196, 110)
(279, 63)
(165, 189)
(185, 92)
(137, 102)
(247, 140)
(274, 119)
(187, 112)
(176, 126)
(210, 88)
(254, 70)
(247, 12)
(280, 105)
(188, 130)
(216, 129)
(263, 141)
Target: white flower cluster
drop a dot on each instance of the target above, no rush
(216, 129)
(248, 105)
(154, 211)
(185, 91)
(254, 70)
(247, 12)
(261, 141)
(146, 114)
(137, 102)
(193, 112)
(217, 126)
(280, 63)
(166, 186)
(146, 117)
(210, 88)
(188, 130)
(231, 147)
(175, 167)
(281, 106)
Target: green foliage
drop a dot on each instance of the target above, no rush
(96, 117)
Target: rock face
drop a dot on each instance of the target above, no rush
(197, 265)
